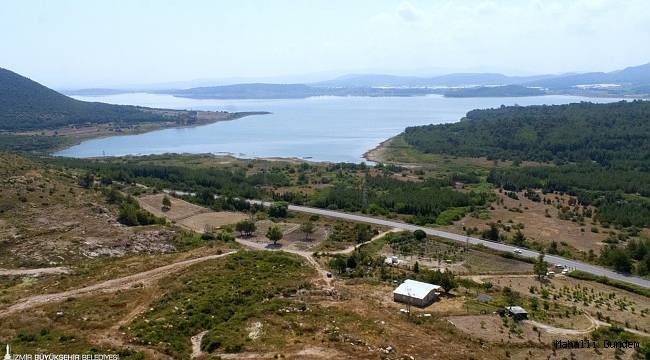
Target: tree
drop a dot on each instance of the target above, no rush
(553, 249)
(308, 228)
(225, 236)
(540, 268)
(279, 209)
(419, 234)
(492, 233)
(617, 258)
(246, 227)
(519, 239)
(166, 202)
(448, 281)
(339, 263)
(512, 297)
(87, 180)
(274, 234)
(416, 267)
(364, 232)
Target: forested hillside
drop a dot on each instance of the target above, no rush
(28, 105)
(600, 152)
(602, 133)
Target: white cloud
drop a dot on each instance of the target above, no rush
(407, 12)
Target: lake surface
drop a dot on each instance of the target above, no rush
(336, 129)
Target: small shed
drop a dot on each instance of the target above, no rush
(416, 293)
(517, 312)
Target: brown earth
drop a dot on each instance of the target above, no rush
(179, 210)
(537, 226)
(47, 219)
(612, 299)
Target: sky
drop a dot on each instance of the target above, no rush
(94, 43)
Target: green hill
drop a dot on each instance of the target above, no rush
(600, 133)
(27, 105)
(600, 151)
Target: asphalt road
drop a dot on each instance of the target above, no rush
(592, 269)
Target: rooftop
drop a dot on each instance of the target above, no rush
(415, 289)
(516, 310)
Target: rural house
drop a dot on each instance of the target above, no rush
(416, 293)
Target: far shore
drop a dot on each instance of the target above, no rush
(72, 136)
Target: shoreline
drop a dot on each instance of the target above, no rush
(374, 154)
(74, 139)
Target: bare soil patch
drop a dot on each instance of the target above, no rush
(214, 220)
(491, 328)
(48, 220)
(179, 210)
(537, 225)
(616, 305)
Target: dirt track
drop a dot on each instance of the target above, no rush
(308, 255)
(34, 272)
(594, 325)
(145, 278)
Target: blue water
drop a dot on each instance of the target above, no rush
(336, 129)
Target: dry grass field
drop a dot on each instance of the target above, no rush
(541, 221)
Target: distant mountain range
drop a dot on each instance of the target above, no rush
(288, 91)
(27, 105)
(450, 80)
(631, 81)
(629, 77)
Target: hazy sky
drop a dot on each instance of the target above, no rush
(67, 44)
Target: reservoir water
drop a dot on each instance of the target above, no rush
(336, 129)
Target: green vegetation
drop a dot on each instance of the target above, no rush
(166, 202)
(539, 268)
(246, 227)
(31, 143)
(350, 187)
(307, 228)
(423, 201)
(603, 133)
(220, 298)
(279, 209)
(607, 281)
(600, 152)
(274, 233)
(27, 105)
(130, 212)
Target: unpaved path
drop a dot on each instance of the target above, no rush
(354, 247)
(594, 325)
(562, 331)
(113, 337)
(305, 254)
(34, 272)
(308, 255)
(479, 278)
(196, 344)
(145, 278)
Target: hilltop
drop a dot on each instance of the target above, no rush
(35, 118)
(28, 105)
